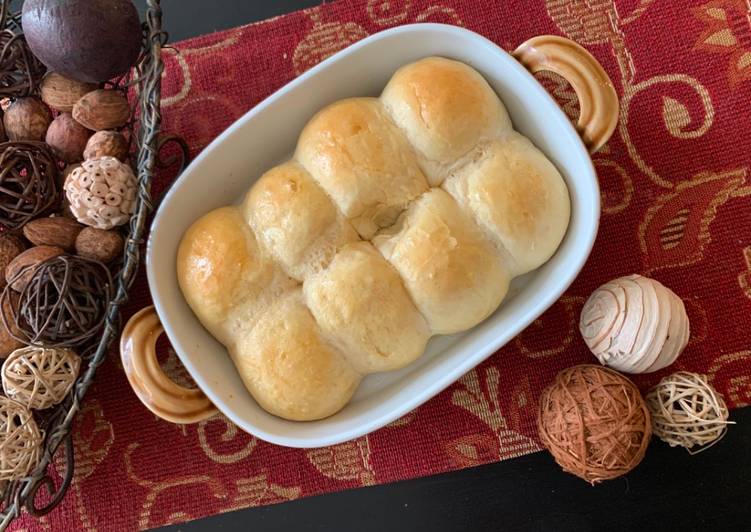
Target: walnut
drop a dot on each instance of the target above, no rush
(102, 192)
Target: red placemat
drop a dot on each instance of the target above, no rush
(676, 206)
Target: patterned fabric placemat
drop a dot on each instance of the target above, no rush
(676, 198)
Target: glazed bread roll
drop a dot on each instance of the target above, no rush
(400, 217)
(446, 109)
(288, 367)
(363, 162)
(518, 198)
(296, 220)
(453, 274)
(362, 305)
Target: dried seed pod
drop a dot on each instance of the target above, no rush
(9, 337)
(27, 119)
(67, 138)
(98, 244)
(107, 144)
(22, 268)
(10, 247)
(54, 231)
(102, 109)
(62, 93)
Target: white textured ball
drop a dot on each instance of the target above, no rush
(101, 192)
(635, 324)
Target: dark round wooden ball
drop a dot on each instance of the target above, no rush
(86, 40)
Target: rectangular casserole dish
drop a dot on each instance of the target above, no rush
(267, 134)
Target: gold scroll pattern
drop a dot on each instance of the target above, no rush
(348, 461)
(731, 370)
(479, 393)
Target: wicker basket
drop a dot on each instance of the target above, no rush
(22, 494)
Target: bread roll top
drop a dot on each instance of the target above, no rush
(287, 366)
(359, 301)
(446, 109)
(362, 161)
(295, 220)
(454, 275)
(516, 195)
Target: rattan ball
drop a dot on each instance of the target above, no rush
(687, 411)
(20, 71)
(38, 377)
(28, 182)
(64, 304)
(20, 440)
(594, 422)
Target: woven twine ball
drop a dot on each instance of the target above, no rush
(20, 71)
(687, 411)
(102, 192)
(28, 182)
(64, 304)
(594, 422)
(38, 377)
(20, 440)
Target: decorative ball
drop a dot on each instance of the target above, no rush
(635, 324)
(107, 144)
(87, 40)
(8, 342)
(20, 440)
(28, 182)
(27, 119)
(62, 93)
(20, 71)
(67, 138)
(38, 377)
(10, 247)
(687, 411)
(63, 305)
(594, 422)
(102, 192)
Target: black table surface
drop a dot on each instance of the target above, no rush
(670, 490)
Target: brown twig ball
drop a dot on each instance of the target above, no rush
(20, 440)
(594, 422)
(687, 411)
(38, 377)
(28, 182)
(64, 304)
(20, 70)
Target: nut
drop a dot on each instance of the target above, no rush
(98, 244)
(67, 138)
(58, 231)
(62, 93)
(102, 109)
(10, 247)
(28, 261)
(107, 144)
(27, 119)
(8, 344)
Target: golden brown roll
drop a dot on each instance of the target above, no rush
(454, 275)
(295, 220)
(222, 274)
(288, 368)
(363, 162)
(359, 302)
(446, 109)
(518, 198)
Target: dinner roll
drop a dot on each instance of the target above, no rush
(454, 275)
(288, 368)
(446, 109)
(363, 161)
(222, 274)
(359, 301)
(518, 198)
(295, 220)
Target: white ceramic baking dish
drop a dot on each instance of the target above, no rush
(267, 134)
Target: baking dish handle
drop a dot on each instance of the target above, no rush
(154, 388)
(598, 100)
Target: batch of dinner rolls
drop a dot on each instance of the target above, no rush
(398, 218)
